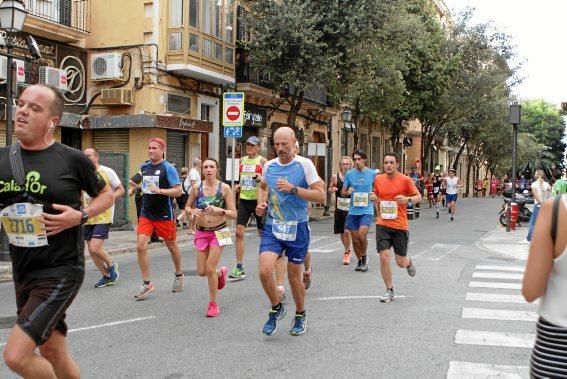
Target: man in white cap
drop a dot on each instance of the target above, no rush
(250, 169)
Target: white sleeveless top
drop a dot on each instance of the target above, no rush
(452, 185)
(553, 306)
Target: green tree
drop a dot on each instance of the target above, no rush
(546, 123)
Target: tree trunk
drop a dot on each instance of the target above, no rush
(468, 178)
(458, 156)
(295, 102)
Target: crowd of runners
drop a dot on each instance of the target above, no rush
(278, 193)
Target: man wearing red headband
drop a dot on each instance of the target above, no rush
(160, 184)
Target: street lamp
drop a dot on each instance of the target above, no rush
(515, 115)
(12, 16)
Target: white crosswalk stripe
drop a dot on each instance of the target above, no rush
(496, 302)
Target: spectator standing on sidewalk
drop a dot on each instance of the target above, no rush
(212, 203)
(541, 190)
(546, 278)
(48, 262)
(97, 229)
(160, 184)
(560, 185)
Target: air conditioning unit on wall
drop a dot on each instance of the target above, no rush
(54, 77)
(20, 69)
(116, 96)
(106, 66)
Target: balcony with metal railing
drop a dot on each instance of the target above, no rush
(61, 20)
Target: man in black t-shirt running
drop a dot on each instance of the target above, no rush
(44, 228)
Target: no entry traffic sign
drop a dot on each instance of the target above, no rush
(233, 108)
(232, 113)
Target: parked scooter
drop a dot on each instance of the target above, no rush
(525, 203)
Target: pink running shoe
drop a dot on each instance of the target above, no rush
(213, 310)
(222, 277)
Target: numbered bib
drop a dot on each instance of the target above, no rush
(223, 236)
(250, 168)
(388, 210)
(360, 199)
(435, 189)
(146, 181)
(23, 225)
(247, 183)
(343, 203)
(284, 230)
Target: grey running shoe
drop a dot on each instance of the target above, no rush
(411, 269)
(364, 265)
(177, 283)
(387, 297)
(358, 266)
(145, 289)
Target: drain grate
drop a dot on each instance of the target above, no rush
(7, 322)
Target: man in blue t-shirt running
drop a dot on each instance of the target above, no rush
(289, 182)
(358, 184)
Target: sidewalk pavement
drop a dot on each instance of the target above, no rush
(122, 242)
(507, 243)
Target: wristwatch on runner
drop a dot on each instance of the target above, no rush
(294, 190)
(84, 217)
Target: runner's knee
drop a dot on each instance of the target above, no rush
(240, 231)
(384, 256)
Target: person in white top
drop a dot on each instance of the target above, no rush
(193, 179)
(541, 191)
(452, 185)
(546, 278)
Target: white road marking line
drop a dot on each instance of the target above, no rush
(106, 325)
(495, 297)
(499, 314)
(501, 268)
(498, 275)
(479, 337)
(112, 323)
(354, 297)
(321, 249)
(437, 252)
(509, 286)
(472, 370)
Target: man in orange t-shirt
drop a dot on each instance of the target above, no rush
(394, 191)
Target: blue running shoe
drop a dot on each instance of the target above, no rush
(113, 272)
(103, 282)
(299, 325)
(271, 325)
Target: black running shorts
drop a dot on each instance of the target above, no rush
(387, 238)
(340, 221)
(245, 209)
(41, 304)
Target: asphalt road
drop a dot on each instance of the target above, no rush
(428, 331)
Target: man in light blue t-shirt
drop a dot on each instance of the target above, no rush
(289, 182)
(359, 183)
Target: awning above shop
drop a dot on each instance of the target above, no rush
(72, 120)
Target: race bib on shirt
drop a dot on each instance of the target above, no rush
(343, 203)
(23, 225)
(388, 210)
(146, 181)
(360, 199)
(284, 230)
(247, 183)
(250, 168)
(223, 236)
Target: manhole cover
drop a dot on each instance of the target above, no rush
(7, 322)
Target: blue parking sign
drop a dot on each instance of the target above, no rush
(232, 132)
